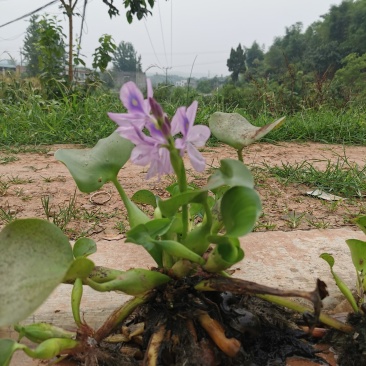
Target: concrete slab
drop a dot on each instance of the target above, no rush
(281, 259)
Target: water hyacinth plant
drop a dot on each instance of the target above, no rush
(192, 256)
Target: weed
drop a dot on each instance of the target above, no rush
(8, 159)
(19, 180)
(25, 149)
(294, 219)
(266, 225)
(318, 223)
(332, 206)
(120, 226)
(340, 178)
(4, 186)
(7, 216)
(64, 215)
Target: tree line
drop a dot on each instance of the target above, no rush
(326, 61)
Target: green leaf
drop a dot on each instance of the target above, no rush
(361, 223)
(81, 267)
(140, 235)
(328, 258)
(240, 209)
(170, 206)
(358, 254)
(222, 239)
(39, 332)
(84, 247)
(132, 282)
(226, 253)
(197, 239)
(231, 173)
(339, 282)
(158, 227)
(92, 168)
(7, 348)
(35, 256)
(236, 131)
(51, 348)
(177, 249)
(144, 197)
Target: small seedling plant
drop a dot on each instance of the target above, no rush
(193, 237)
(358, 255)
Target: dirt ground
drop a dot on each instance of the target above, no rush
(34, 184)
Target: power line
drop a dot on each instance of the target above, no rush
(152, 46)
(11, 38)
(162, 33)
(31, 13)
(82, 27)
(171, 32)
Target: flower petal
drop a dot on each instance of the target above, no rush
(142, 154)
(197, 160)
(191, 112)
(177, 121)
(133, 99)
(198, 135)
(126, 118)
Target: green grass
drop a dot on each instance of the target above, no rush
(325, 126)
(341, 178)
(33, 121)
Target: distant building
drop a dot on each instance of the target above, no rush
(181, 83)
(80, 74)
(7, 65)
(139, 78)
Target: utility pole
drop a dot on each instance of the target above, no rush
(166, 74)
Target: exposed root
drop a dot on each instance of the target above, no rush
(153, 348)
(179, 325)
(230, 346)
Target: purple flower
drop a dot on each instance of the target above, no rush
(138, 108)
(193, 136)
(149, 150)
(154, 148)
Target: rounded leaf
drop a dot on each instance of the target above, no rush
(240, 209)
(235, 130)
(84, 247)
(92, 168)
(358, 254)
(35, 256)
(81, 267)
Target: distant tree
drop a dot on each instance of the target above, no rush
(104, 53)
(125, 58)
(138, 8)
(254, 55)
(236, 63)
(352, 75)
(30, 52)
(44, 48)
(204, 86)
(275, 60)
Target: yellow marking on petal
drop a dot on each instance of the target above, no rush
(135, 102)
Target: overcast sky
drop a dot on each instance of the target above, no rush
(180, 32)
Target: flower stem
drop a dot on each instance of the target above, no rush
(76, 294)
(180, 171)
(240, 154)
(135, 215)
